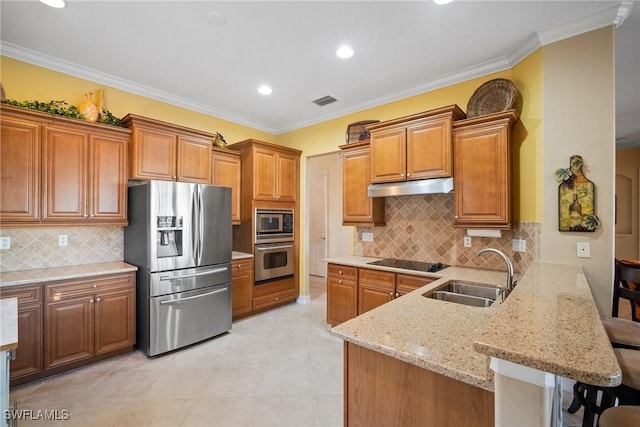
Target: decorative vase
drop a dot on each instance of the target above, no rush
(88, 109)
(100, 103)
(219, 141)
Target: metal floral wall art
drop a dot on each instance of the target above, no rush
(576, 198)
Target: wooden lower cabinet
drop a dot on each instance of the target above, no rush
(383, 391)
(242, 287)
(274, 293)
(69, 323)
(28, 356)
(375, 287)
(342, 293)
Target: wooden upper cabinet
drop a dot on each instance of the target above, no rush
(225, 171)
(84, 176)
(169, 152)
(272, 172)
(413, 147)
(482, 188)
(19, 170)
(357, 207)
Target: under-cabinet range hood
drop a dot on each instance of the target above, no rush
(408, 188)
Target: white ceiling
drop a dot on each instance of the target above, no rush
(173, 52)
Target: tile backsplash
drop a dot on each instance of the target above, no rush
(420, 228)
(37, 247)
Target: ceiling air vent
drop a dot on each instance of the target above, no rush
(324, 100)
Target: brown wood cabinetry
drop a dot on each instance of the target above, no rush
(87, 318)
(383, 391)
(168, 152)
(342, 293)
(413, 147)
(482, 187)
(28, 356)
(20, 169)
(274, 293)
(226, 171)
(270, 172)
(62, 171)
(357, 207)
(352, 291)
(242, 287)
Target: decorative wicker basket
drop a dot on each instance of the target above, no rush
(358, 131)
(494, 96)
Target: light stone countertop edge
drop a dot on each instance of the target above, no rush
(50, 274)
(235, 255)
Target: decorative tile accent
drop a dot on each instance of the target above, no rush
(420, 228)
(38, 247)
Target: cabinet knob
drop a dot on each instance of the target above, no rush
(238, 265)
(340, 281)
(94, 286)
(93, 215)
(408, 175)
(339, 271)
(85, 216)
(91, 301)
(369, 216)
(276, 298)
(456, 216)
(402, 175)
(397, 294)
(97, 299)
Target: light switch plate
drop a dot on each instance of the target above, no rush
(367, 237)
(62, 240)
(5, 242)
(467, 241)
(584, 251)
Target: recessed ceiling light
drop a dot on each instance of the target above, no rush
(344, 52)
(442, 1)
(265, 90)
(58, 4)
(216, 18)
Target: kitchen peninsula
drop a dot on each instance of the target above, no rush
(408, 360)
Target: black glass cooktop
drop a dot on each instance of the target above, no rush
(410, 265)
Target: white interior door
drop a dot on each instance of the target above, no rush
(317, 184)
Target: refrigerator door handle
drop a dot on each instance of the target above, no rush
(186, 276)
(200, 225)
(176, 301)
(194, 227)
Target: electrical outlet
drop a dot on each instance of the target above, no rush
(5, 242)
(467, 241)
(519, 245)
(367, 237)
(62, 240)
(584, 251)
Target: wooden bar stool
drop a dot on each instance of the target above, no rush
(620, 416)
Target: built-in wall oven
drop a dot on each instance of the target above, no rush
(274, 244)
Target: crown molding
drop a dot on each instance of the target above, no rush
(26, 55)
(583, 24)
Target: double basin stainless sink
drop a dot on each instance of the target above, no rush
(467, 293)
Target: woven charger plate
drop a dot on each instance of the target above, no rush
(494, 96)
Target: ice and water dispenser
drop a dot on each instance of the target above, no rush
(169, 239)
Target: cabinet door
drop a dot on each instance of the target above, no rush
(357, 207)
(108, 169)
(29, 352)
(194, 159)
(406, 283)
(429, 149)
(388, 155)
(242, 287)
(114, 321)
(225, 171)
(483, 174)
(20, 170)
(264, 174)
(153, 154)
(65, 154)
(342, 300)
(371, 296)
(287, 178)
(69, 331)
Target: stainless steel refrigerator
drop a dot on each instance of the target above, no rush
(179, 236)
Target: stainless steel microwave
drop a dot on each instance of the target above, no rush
(274, 225)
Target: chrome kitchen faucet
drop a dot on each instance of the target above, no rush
(510, 282)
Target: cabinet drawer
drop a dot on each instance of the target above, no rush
(88, 285)
(342, 271)
(26, 294)
(412, 282)
(378, 277)
(273, 299)
(241, 267)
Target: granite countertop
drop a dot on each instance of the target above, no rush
(558, 327)
(240, 255)
(41, 275)
(8, 324)
(435, 335)
(549, 322)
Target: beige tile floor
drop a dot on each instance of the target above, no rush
(279, 368)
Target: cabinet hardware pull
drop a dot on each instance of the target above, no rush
(97, 299)
(91, 301)
(339, 271)
(397, 294)
(93, 215)
(340, 281)
(408, 175)
(276, 298)
(94, 286)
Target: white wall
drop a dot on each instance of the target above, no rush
(578, 118)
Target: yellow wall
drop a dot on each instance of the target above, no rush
(23, 81)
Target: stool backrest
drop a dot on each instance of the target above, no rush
(627, 286)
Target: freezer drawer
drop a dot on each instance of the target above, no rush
(184, 318)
